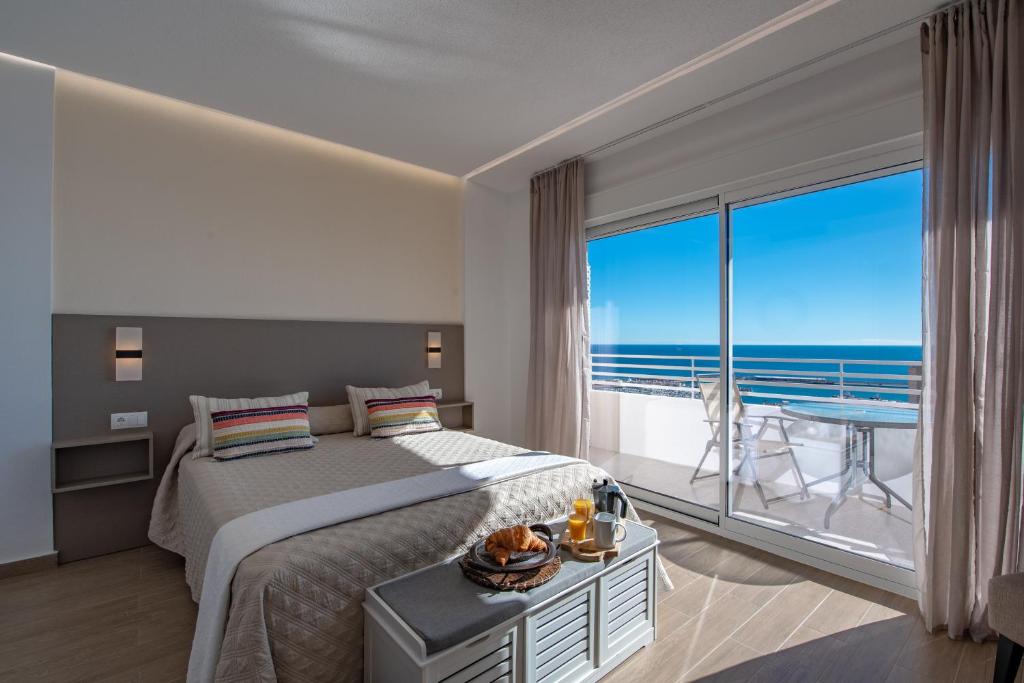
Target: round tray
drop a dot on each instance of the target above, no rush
(517, 562)
(510, 581)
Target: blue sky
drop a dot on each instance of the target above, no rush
(839, 266)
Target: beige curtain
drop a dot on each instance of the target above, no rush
(558, 414)
(968, 488)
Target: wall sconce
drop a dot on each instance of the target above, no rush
(128, 354)
(433, 350)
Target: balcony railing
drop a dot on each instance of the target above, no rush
(766, 380)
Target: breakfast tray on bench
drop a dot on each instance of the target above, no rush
(435, 626)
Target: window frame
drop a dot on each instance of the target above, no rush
(813, 177)
(876, 572)
(653, 219)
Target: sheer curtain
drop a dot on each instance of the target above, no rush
(968, 474)
(558, 414)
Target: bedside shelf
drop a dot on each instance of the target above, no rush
(447, 411)
(104, 460)
(96, 482)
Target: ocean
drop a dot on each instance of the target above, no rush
(823, 371)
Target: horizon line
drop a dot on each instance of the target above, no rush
(872, 343)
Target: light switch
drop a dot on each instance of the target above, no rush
(129, 420)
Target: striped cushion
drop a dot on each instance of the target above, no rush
(260, 431)
(397, 416)
(357, 397)
(204, 406)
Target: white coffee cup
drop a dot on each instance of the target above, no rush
(606, 530)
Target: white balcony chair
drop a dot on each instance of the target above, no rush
(748, 438)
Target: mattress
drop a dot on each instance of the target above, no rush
(296, 605)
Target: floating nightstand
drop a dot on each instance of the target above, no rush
(103, 489)
(104, 460)
(456, 415)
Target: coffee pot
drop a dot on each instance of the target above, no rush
(609, 498)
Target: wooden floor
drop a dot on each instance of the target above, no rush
(737, 614)
(122, 617)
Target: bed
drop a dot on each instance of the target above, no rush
(295, 611)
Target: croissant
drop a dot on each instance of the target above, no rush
(503, 542)
(500, 555)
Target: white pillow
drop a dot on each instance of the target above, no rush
(202, 406)
(330, 419)
(357, 400)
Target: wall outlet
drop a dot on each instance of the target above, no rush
(129, 420)
(436, 393)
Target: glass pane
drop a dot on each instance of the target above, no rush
(654, 329)
(827, 358)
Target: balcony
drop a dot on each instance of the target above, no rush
(650, 429)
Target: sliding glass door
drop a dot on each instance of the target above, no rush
(654, 332)
(826, 358)
(794, 319)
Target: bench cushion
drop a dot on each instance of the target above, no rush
(1006, 606)
(445, 608)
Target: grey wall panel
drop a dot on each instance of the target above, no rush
(213, 357)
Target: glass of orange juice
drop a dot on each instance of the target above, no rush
(583, 507)
(577, 527)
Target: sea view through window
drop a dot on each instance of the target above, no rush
(826, 329)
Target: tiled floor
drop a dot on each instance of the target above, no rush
(737, 614)
(862, 525)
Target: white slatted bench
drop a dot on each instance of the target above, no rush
(435, 626)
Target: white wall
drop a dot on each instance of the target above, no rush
(497, 310)
(26, 177)
(870, 107)
(116, 201)
(166, 208)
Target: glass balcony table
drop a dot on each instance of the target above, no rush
(860, 423)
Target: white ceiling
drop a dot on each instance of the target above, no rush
(447, 84)
(816, 37)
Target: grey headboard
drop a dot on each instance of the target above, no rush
(221, 357)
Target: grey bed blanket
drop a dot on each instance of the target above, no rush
(296, 605)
